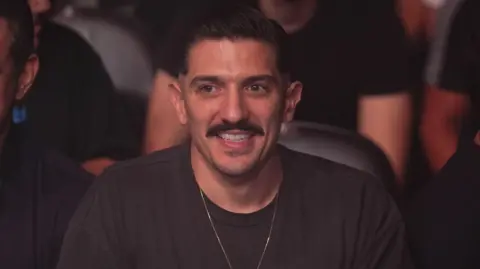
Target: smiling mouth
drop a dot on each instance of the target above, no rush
(235, 137)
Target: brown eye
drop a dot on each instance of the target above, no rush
(256, 88)
(207, 88)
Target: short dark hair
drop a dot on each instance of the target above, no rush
(20, 21)
(231, 21)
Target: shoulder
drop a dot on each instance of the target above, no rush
(61, 176)
(320, 170)
(343, 189)
(143, 170)
(163, 158)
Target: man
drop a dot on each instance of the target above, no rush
(85, 119)
(354, 72)
(452, 96)
(39, 189)
(232, 197)
(444, 218)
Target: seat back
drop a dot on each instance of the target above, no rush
(341, 146)
(125, 55)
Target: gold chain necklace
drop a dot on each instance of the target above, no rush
(220, 241)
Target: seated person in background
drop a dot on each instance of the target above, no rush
(452, 97)
(354, 72)
(444, 219)
(39, 189)
(231, 197)
(73, 107)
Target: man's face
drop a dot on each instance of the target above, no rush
(39, 8)
(13, 85)
(234, 101)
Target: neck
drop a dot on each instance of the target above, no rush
(291, 15)
(240, 194)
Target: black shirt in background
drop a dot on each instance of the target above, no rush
(444, 220)
(39, 193)
(461, 63)
(72, 106)
(148, 213)
(349, 49)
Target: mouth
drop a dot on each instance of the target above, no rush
(235, 139)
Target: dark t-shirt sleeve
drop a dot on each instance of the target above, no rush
(382, 48)
(381, 242)
(443, 221)
(93, 238)
(461, 58)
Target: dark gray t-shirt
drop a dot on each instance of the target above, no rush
(148, 213)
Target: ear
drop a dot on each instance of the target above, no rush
(178, 101)
(293, 96)
(27, 77)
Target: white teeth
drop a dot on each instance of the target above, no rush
(234, 137)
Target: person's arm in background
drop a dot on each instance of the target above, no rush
(441, 124)
(384, 105)
(163, 130)
(387, 121)
(414, 16)
(447, 97)
(419, 16)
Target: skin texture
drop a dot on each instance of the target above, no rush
(13, 87)
(390, 129)
(416, 18)
(229, 82)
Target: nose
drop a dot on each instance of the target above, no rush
(234, 107)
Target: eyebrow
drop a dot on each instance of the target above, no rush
(266, 78)
(247, 80)
(210, 79)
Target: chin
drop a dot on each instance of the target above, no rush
(235, 170)
(235, 165)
